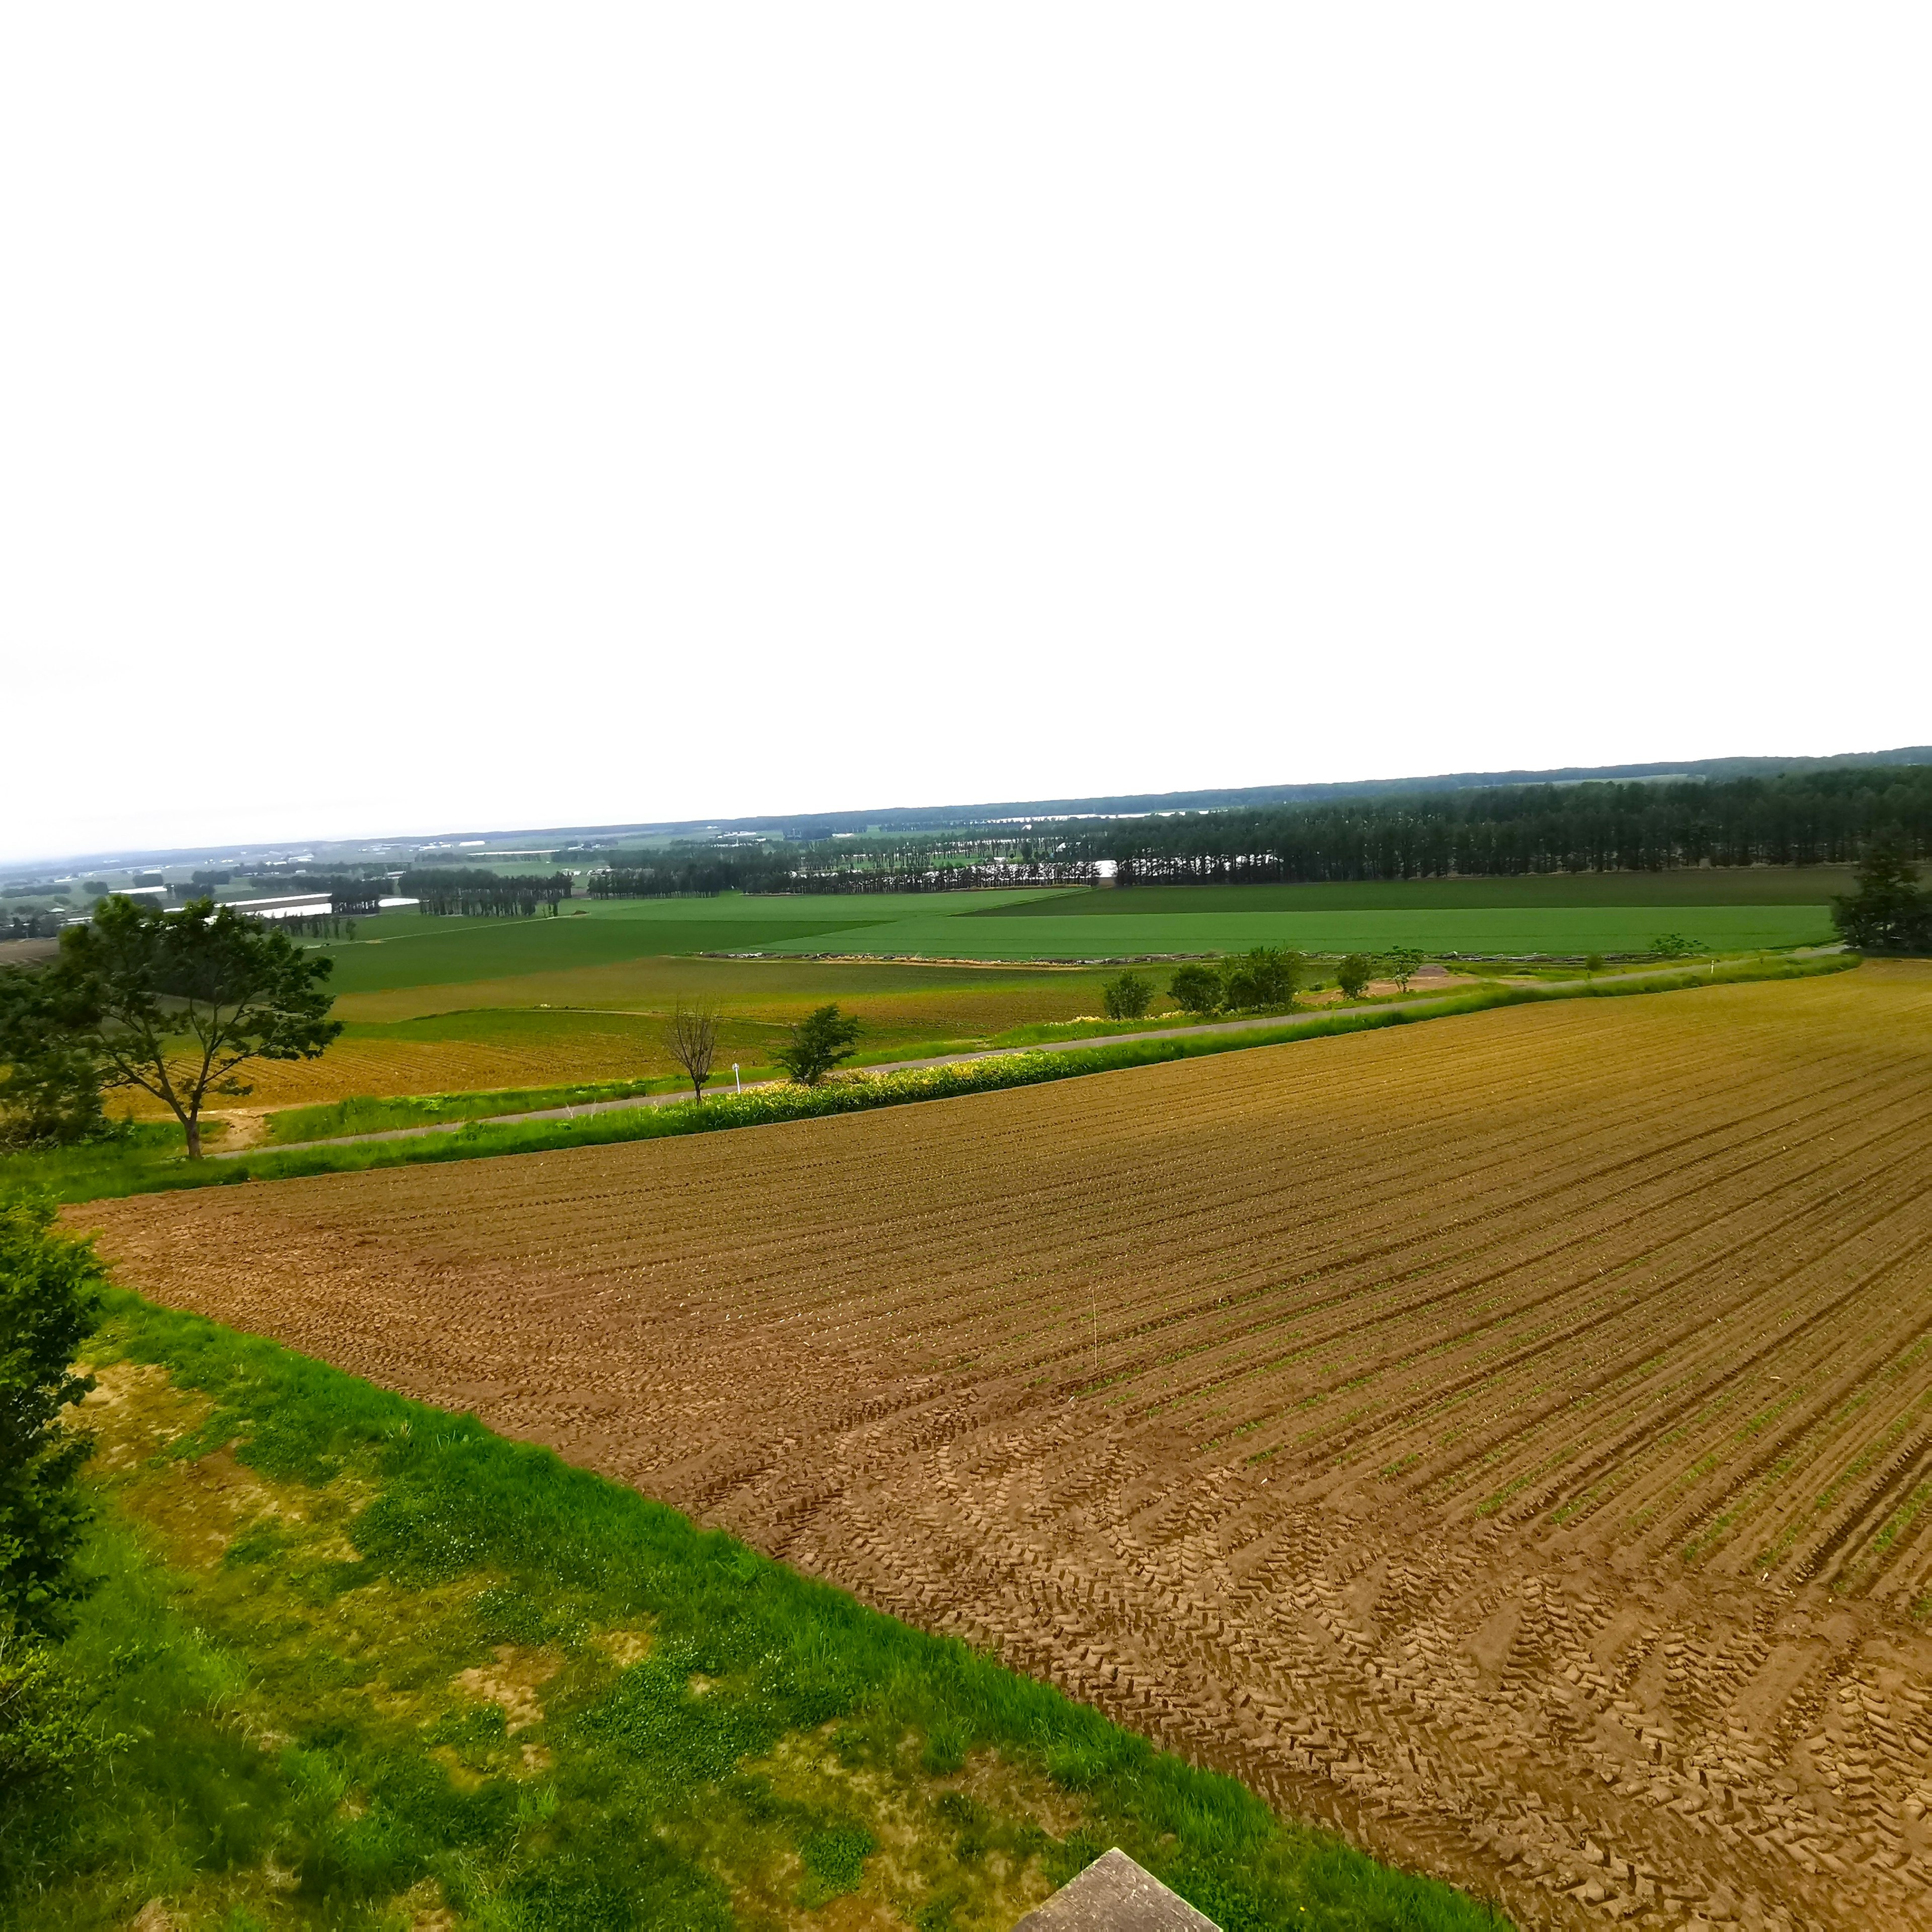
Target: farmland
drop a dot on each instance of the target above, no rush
(1509, 1438)
(447, 1005)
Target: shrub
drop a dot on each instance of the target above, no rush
(1402, 965)
(1127, 998)
(1353, 975)
(49, 1301)
(1195, 989)
(1266, 977)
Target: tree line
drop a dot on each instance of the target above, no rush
(349, 896)
(1830, 816)
(681, 876)
(472, 893)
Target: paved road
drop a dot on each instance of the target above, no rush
(1257, 1023)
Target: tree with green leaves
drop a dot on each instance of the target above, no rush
(1263, 979)
(176, 1003)
(1127, 997)
(1403, 965)
(50, 1286)
(1195, 989)
(1677, 946)
(1353, 974)
(1890, 912)
(1594, 964)
(49, 1085)
(818, 1043)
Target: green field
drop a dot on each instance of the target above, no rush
(1036, 934)
(370, 1666)
(1728, 886)
(1728, 910)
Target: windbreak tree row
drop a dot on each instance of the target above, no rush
(675, 876)
(474, 892)
(1814, 818)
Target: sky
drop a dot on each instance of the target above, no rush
(429, 418)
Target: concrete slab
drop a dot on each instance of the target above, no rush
(1114, 1894)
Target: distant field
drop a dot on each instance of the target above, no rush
(443, 1005)
(411, 950)
(1741, 885)
(1033, 933)
(599, 1023)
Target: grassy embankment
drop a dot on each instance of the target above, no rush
(376, 1666)
(89, 1174)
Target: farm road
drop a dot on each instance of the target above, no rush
(1508, 1440)
(1257, 1023)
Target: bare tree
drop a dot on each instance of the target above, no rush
(690, 1038)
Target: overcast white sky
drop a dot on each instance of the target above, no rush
(425, 417)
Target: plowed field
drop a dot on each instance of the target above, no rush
(1512, 1437)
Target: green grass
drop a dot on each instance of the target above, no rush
(769, 1105)
(1717, 886)
(1730, 910)
(402, 949)
(366, 1113)
(1574, 931)
(295, 1569)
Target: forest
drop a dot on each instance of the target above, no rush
(1815, 817)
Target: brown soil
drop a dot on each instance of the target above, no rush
(1510, 1439)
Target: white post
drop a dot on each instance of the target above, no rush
(737, 1076)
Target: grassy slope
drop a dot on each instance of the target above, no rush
(659, 1727)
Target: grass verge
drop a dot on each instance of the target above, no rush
(375, 1666)
(765, 1105)
(367, 1114)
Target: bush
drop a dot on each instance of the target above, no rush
(1195, 989)
(1353, 974)
(1264, 978)
(1402, 965)
(1128, 997)
(43, 1727)
(50, 1300)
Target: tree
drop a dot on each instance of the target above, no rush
(49, 1084)
(1265, 977)
(1402, 965)
(1890, 911)
(818, 1043)
(1594, 964)
(1127, 998)
(1353, 975)
(1195, 989)
(174, 1002)
(49, 1302)
(690, 1038)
